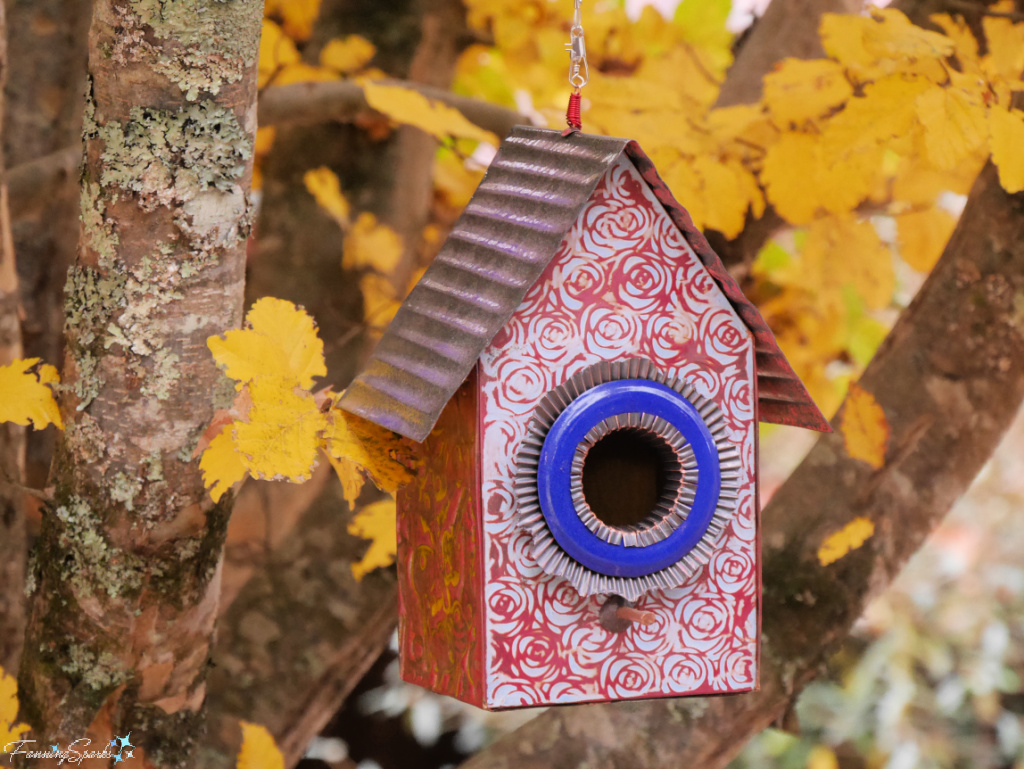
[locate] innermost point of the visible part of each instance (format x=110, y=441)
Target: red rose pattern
x=624, y=283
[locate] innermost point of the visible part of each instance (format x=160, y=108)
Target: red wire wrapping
x=572, y=113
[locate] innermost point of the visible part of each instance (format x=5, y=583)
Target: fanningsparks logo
x=120, y=749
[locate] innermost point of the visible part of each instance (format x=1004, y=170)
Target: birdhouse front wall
x=624, y=284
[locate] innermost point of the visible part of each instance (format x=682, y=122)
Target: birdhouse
x=587, y=380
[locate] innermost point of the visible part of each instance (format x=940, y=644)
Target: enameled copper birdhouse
x=588, y=380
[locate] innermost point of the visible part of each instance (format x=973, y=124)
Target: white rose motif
x=707, y=623
x=510, y=606
x=615, y=224
x=685, y=673
x=520, y=555
x=669, y=338
x=643, y=283
x=630, y=676
x=565, y=692
x=537, y=655
x=739, y=399
x=732, y=571
x=556, y=340
x=611, y=334
x=513, y=694
x=561, y=605
x=722, y=335
x=499, y=507
x=739, y=669
x=587, y=645
x=707, y=382
x=742, y=525
x=520, y=383
x=580, y=281
x=653, y=639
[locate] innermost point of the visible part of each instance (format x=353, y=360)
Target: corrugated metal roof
x=533, y=192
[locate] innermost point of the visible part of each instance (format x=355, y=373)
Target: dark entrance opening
x=626, y=474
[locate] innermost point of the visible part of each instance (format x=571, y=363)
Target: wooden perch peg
x=617, y=614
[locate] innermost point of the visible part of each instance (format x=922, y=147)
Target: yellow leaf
x=351, y=477
x=297, y=16
x=282, y=434
x=221, y=464
x=802, y=174
x=323, y=184
x=954, y=124
x=404, y=105
x=276, y=52
x=379, y=300
x=822, y=757
x=347, y=55
x=1007, y=130
x=386, y=457
x=923, y=235
x=799, y=90
x=843, y=253
x=25, y=397
x=864, y=427
x=883, y=43
x=1005, y=41
x=370, y=244
x=10, y=730
x=280, y=339
x=728, y=190
x=850, y=537
x=375, y=522
x=259, y=751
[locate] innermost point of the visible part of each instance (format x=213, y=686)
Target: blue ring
x=554, y=475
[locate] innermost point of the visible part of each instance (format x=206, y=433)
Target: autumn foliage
x=863, y=155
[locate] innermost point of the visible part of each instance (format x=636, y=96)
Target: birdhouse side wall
x=624, y=283
x=440, y=625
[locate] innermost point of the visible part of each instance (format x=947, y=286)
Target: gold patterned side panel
x=439, y=559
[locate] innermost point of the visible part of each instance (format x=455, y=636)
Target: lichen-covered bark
x=125, y=576
x=12, y=437
x=950, y=378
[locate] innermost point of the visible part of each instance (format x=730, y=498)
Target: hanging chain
x=579, y=72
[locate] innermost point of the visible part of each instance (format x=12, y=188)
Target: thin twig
x=10, y=487
x=965, y=6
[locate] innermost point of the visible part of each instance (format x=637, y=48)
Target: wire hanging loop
x=579, y=72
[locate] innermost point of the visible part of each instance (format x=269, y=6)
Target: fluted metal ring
x=529, y=516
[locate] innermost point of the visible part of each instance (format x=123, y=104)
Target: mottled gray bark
x=126, y=569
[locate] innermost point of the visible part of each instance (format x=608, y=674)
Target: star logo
x=56, y=748
x=113, y=743
x=124, y=742
x=128, y=753
x=118, y=758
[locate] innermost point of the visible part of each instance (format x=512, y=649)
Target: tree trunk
x=12, y=437
x=950, y=378
x=126, y=573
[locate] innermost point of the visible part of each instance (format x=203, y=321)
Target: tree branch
x=298, y=637
x=280, y=105
x=950, y=378
x=342, y=100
